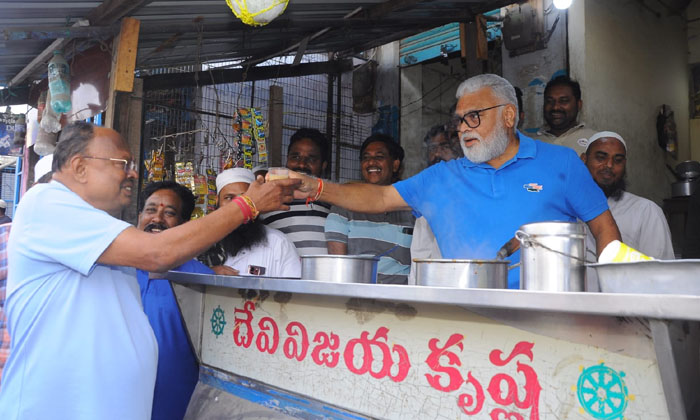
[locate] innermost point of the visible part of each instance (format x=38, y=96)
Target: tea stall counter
x=302, y=349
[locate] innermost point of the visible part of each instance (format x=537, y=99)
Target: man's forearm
x=604, y=230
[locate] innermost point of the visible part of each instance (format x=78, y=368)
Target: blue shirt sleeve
x=413, y=188
x=585, y=197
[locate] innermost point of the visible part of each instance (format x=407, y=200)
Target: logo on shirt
x=533, y=187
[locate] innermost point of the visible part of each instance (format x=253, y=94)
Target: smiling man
x=641, y=222
x=562, y=104
x=475, y=205
x=356, y=233
x=165, y=205
x=303, y=222
x=82, y=347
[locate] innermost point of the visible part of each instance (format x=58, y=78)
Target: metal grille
x=195, y=124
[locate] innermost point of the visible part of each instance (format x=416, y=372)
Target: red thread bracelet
x=245, y=209
x=319, y=191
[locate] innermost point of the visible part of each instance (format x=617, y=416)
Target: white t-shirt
x=279, y=257
x=82, y=347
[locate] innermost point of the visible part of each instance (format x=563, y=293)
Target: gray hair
x=500, y=87
x=74, y=140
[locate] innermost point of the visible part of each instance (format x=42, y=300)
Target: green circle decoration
x=218, y=321
x=602, y=392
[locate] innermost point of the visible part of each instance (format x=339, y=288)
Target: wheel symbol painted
x=218, y=321
x=602, y=392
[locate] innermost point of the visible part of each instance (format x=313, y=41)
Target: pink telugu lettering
x=449, y=379
x=394, y=362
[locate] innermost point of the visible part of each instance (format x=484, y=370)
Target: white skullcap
x=229, y=176
x=3, y=204
x=602, y=134
x=43, y=167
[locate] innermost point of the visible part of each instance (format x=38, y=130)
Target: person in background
x=358, y=233
x=562, y=103
x=3, y=217
x=475, y=205
x=303, y=223
x=641, y=222
x=441, y=148
x=253, y=249
x=521, y=112
x=163, y=206
x=82, y=347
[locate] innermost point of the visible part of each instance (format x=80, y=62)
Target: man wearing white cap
x=3, y=217
x=252, y=249
x=641, y=222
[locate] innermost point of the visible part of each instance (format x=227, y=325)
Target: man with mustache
x=562, y=103
x=303, y=223
x=443, y=145
x=253, y=249
x=165, y=205
x=82, y=347
x=641, y=222
x=475, y=205
x=357, y=233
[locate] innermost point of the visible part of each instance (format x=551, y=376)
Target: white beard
x=487, y=148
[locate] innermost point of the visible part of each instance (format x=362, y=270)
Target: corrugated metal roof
x=184, y=32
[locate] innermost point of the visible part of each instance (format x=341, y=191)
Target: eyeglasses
x=129, y=165
x=472, y=119
x=308, y=160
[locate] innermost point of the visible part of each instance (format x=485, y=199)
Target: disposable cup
x=277, y=173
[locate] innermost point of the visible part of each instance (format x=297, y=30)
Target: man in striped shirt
x=303, y=224
x=354, y=233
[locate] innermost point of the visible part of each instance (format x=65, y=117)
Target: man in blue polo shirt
x=474, y=205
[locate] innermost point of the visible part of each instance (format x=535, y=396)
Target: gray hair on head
x=74, y=140
x=500, y=87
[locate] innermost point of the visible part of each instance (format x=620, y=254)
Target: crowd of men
x=87, y=311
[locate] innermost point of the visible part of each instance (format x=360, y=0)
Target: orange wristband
x=319, y=191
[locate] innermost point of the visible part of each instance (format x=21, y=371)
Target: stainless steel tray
x=675, y=277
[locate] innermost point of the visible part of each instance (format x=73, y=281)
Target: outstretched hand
x=272, y=195
x=308, y=186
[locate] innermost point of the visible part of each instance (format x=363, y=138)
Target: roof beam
x=110, y=11
x=219, y=76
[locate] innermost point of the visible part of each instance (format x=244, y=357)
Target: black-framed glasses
x=129, y=165
x=473, y=118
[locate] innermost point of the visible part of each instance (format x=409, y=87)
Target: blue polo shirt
x=473, y=209
x=178, y=369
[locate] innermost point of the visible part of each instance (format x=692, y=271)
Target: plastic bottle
x=20, y=131
x=59, y=83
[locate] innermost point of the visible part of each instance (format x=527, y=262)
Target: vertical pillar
x=276, y=118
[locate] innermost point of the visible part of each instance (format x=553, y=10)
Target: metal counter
x=310, y=349
x=616, y=304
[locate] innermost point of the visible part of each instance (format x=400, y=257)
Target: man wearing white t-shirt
x=82, y=347
x=253, y=249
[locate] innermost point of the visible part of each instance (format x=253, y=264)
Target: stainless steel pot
x=684, y=188
x=340, y=268
x=552, y=256
x=489, y=274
